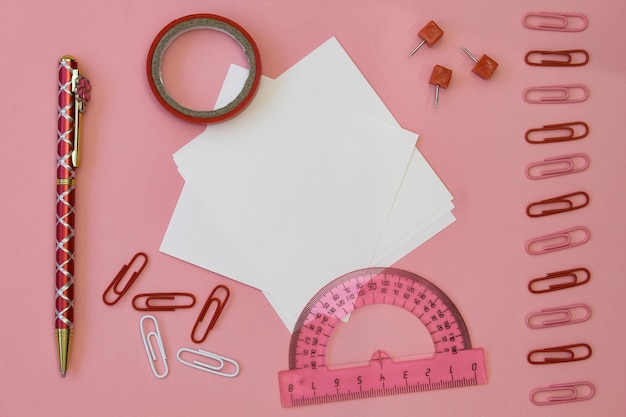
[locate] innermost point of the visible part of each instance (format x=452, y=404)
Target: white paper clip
x=147, y=338
x=217, y=368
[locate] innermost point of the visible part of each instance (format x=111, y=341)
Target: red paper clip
x=569, y=58
x=564, y=279
x=147, y=299
x=218, y=310
x=569, y=392
x=564, y=239
x=560, y=354
x=560, y=204
x=568, y=128
x=561, y=22
x=120, y=276
x=561, y=316
x=561, y=165
x=556, y=94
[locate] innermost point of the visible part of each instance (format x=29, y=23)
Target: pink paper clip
x=556, y=94
x=564, y=239
x=569, y=392
x=560, y=165
x=558, y=316
x=561, y=22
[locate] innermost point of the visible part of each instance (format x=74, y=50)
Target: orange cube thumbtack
x=429, y=34
x=440, y=77
x=485, y=66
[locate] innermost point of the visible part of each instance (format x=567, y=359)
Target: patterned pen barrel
x=72, y=96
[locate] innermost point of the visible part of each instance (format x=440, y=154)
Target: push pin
x=440, y=77
x=429, y=34
x=485, y=67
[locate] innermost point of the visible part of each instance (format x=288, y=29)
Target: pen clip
x=81, y=91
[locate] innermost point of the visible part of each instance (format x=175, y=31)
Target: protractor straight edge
x=310, y=380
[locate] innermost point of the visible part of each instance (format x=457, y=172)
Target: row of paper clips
x=171, y=301
x=561, y=93
x=564, y=239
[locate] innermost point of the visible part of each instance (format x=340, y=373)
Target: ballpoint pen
x=72, y=98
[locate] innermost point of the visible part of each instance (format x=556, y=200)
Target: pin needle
x=440, y=77
x=485, y=66
x=429, y=34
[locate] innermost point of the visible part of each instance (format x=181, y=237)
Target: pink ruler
x=310, y=381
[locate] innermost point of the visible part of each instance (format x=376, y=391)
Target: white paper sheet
x=308, y=184
x=296, y=182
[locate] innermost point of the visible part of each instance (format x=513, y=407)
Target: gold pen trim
x=64, y=340
x=66, y=181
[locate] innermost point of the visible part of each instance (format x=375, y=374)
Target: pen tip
x=63, y=374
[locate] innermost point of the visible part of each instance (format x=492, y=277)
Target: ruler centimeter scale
x=310, y=380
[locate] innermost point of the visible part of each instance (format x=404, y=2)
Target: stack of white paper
x=313, y=180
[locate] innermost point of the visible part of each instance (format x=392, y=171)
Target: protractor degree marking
x=432, y=306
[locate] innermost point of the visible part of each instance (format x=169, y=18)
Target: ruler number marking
x=410, y=292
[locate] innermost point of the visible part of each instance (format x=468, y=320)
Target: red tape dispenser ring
x=203, y=21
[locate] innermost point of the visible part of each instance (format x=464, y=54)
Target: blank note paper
x=313, y=180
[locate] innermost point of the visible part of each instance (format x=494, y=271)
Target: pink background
x=129, y=185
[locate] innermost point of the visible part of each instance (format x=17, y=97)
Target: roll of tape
x=183, y=25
